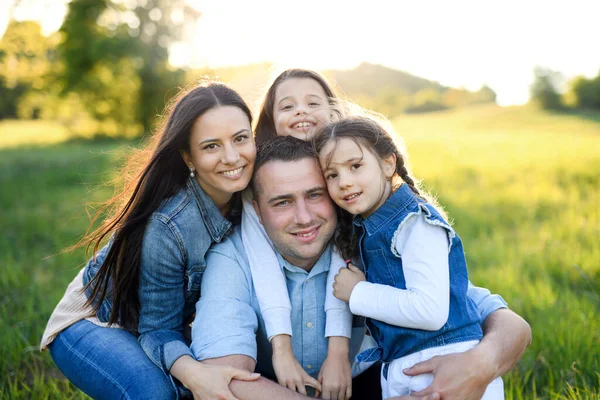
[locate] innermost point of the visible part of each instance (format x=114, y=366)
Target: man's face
x=293, y=205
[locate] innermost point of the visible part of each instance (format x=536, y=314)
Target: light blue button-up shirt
x=228, y=319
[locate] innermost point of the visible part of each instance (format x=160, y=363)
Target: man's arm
x=260, y=389
x=466, y=375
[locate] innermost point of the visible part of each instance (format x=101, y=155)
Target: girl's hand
x=336, y=375
x=345, y=281
x=287, y=369
x=209, y=382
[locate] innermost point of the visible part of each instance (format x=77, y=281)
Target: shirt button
x=309, y=366
x=308, y=280
x=309, y=324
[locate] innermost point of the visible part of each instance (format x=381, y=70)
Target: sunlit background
x=459, y=43
x=498, y=103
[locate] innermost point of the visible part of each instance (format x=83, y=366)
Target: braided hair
x=369, y=134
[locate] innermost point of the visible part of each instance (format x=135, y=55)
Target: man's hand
x=209, y=382
x=287, y=369
x=345, y=281
x=336, y=375
x=456, y=376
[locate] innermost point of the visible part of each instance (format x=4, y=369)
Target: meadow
x=522, y=188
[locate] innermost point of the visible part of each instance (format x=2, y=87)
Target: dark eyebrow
x=278, y=198
x=288, y=196
x=348, y=161
x=216, y=140
x=315, y=189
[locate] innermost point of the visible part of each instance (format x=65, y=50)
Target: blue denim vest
x=384, y=266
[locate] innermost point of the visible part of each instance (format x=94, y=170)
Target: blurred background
x=498, y=103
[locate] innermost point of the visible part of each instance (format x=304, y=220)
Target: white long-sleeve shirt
x=269, y=281
x=425, y=302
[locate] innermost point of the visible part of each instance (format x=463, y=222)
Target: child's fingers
x=353, y=268
x=349, y=391
x=312, y=382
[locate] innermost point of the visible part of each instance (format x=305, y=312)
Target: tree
x=544, y=89
x=107, y=43
x=586, y=92
x=26, y=59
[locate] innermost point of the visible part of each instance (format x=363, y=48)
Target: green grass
x=522, y=188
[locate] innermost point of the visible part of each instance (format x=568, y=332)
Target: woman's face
x=222, y=152
x=301, y=107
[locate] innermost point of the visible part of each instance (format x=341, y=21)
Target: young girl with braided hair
x=414, y=294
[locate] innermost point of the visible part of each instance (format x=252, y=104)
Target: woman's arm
x=162, y=295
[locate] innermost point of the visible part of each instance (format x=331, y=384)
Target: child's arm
x=425, y=303
x=338, y=320
x=267, y=277
x=336, y=375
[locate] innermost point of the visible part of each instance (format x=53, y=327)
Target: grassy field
x=522, y=188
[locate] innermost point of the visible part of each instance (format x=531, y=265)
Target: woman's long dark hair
x=369, y=134
x=265, y=125
x=161, y=174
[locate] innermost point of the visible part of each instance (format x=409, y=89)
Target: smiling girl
x=415, y=291
x=298, y=103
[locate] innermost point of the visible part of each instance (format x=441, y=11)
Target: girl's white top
x=425, y=303
x=270, y=286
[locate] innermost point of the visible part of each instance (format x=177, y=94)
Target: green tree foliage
x=586, y=92
x=26, y=61
x=116, y=56
x=545, y=89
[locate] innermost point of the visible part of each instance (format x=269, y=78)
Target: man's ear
x=257, y=210
x=389, y=166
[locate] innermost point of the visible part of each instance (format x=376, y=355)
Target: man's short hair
x=281, y=148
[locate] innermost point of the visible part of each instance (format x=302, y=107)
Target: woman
x=123, y=335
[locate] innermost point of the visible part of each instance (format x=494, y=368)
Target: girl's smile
x=357, y=180
x=301, y=107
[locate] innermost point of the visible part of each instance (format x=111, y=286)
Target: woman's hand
x=336, y=375
x=208, y=382
x=287, y=369
x=345, y=281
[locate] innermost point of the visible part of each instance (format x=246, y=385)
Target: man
x=298, y=216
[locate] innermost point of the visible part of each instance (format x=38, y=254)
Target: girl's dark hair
x=265, y=125
x=159, y=173
x=369, y=134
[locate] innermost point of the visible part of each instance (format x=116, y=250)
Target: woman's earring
x=192, y=172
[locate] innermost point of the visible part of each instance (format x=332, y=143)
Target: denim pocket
x=378, y=269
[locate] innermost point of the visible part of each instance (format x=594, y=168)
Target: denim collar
x=393, y=206
x=322, y=264
x=216, y=224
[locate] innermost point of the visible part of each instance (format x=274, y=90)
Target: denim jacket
x=384, y=266
x=176, y=239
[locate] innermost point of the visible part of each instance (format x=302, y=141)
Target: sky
x=459, y=43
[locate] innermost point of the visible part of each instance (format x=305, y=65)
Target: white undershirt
x=425, y=302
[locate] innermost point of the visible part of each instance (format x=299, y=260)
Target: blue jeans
x=108, y=363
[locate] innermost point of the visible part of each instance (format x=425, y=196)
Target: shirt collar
x=216, y=224
x=393, y=206
x=322, y=264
